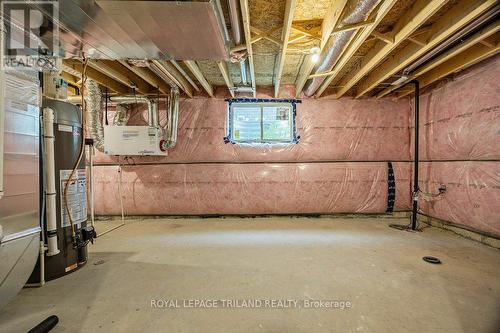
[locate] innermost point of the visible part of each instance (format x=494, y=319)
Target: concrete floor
x=378, y=269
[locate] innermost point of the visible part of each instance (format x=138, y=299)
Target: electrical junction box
x=134, y=140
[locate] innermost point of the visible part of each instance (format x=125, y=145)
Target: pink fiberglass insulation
x=460, y=134
x=340, y=164
x=270, y=188
x=329, y=129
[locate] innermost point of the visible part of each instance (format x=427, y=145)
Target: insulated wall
x=460, y=147
x=340, y=164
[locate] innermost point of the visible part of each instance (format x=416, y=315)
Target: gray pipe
x=173, y=119
x=235, y=21
x=358, y=11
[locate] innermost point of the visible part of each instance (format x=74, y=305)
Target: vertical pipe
x=243, y=69
x=415, y=157
x=91, y=176
x=50, y=193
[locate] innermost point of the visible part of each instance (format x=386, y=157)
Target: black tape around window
x=391, y=188
x=294, y=102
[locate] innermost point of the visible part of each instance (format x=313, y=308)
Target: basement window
x=262, y=121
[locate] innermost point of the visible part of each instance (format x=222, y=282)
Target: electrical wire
x=82, y=150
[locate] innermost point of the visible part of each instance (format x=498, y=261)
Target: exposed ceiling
x=393, y=35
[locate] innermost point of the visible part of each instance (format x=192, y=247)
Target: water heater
x=62, y=137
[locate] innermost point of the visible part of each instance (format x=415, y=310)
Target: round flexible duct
x=357, y=11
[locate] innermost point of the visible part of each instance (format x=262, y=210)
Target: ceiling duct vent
x=111, y=29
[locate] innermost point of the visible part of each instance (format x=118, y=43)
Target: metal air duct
x=357, y=11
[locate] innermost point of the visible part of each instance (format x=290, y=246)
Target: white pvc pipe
x=50, y=174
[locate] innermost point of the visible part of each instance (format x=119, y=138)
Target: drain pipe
x=235, y=21
x=50, y=193
x=416, y=188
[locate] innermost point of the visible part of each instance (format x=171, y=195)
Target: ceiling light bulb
x=314, y=51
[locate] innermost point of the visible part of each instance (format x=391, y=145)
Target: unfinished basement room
x=250, y=166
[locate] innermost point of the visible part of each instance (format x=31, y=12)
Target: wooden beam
x=148, y=76
x=186, y=75
x=74, y=66
x=383, y=37
x=227, y=78
x=297, y=38
x=265, y=35
x=193, y=67
x=462, y=13
x=384, y=8
x=462, y=60
x=306, y=32
x=416, y=40
x=418, y=14
x=120, y=73
x=477, y=37
x=329, y=23
x=174, y=75
x=354, y=26
x=245, y=15
x=287, y=24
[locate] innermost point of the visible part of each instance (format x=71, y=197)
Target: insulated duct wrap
x=357, y=11
x=172, y=118
x=94, y=113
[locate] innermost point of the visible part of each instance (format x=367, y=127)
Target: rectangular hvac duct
x=112, y=29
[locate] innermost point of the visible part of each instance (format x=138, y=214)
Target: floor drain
x=99, y=262
x=431, y=260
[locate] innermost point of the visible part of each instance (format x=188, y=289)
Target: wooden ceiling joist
x=419, y=13
x=265, y=35
x=120, y=73
x=148, y=76
x=75, y=67
x=384, y=8
x=478, y=37
x=186, y=75
x=354, y=26
x=227, y=78
x=464, y=12
x=329, y=23
x=245, y=15
x=287, y=25
x=193, y=67
x=174, y=75
x=460, y=61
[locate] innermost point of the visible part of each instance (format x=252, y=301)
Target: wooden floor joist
x=287, y=25
x=464, y=12
x=245, y=16
x=419, y=13
x=120, y=73
x=329, y=23
x=460, y=61
x=383, y=10
x=148, y=76
x=227, y=78
x=478, y=37
x=76, y=67
x=193, y=67
x=174, y=75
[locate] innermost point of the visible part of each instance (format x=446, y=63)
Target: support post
x=416, y=188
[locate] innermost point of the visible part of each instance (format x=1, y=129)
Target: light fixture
x=314, y=51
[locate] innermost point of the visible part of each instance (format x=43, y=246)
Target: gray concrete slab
x=377, y=269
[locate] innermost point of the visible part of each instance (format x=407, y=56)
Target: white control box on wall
x=134, y=140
